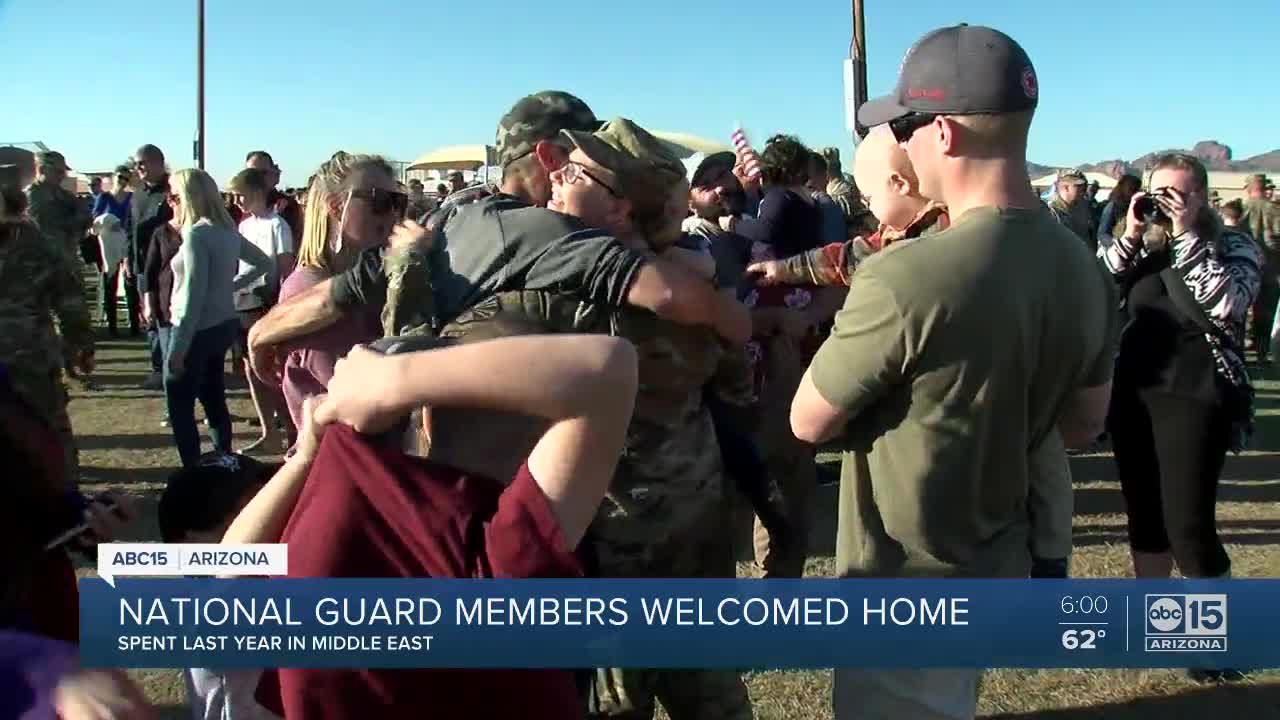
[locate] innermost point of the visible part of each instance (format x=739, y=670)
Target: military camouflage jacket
x=61, y=217
x=834, y=264
x=671, y=466
x=1263, y=221
x=37, y=284
x=1077, y=218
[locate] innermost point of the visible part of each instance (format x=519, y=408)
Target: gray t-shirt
x=502, y=243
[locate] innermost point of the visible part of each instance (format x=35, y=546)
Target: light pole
x=858, y=61
x=199, y=143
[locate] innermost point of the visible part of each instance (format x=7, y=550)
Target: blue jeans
x=159, y=349
x=200, y=379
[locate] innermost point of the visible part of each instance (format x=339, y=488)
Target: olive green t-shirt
x=953, y=357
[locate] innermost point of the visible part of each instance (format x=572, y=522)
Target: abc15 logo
x=1204, y=614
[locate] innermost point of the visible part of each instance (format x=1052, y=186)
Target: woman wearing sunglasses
x=352, y=204
x=202, y=309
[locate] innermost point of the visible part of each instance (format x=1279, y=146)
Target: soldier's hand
x=767, y=272
x=351, y=401
x=407, y=233
x=266, y=361
x=85, y=362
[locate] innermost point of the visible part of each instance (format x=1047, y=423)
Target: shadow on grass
x=1232, y=532
x=1239, y=701
x=124, y=477
x=125, y=442
x=1253, y=467
x=132, y=381
x=1108, y=500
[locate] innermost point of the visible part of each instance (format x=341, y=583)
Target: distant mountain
x=1215, y=155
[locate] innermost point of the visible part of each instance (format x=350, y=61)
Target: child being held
x=197, y=505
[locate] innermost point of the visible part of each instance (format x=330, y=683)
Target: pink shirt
x=310, y=362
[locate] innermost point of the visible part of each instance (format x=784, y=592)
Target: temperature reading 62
x=1082, y=639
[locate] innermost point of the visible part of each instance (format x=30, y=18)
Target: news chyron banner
x=218, y=622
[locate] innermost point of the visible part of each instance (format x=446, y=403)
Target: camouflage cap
x=538, y=117
x=1072, y=177
x=51, y=158
x=645, y=169
x=1260, y=178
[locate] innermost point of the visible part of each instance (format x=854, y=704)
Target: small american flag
x=748, y=154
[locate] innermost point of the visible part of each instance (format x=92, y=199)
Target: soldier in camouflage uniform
x=1071, y=208
x=38, y=282
x=62, y=220
x=666, y=514
x=1262, y=219
x=61, y=217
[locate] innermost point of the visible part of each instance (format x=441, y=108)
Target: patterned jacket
x=834, y=264
x=1223, y=275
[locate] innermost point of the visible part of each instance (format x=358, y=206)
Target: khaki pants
x=790, y=462
x=924, y=694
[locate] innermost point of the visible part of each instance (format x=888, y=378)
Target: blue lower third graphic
x=423, y=623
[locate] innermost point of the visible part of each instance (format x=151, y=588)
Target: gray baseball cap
x=959, y=70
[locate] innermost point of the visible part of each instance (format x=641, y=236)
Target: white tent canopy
x=474, y=157
x=456, y=157
x=1105, y=182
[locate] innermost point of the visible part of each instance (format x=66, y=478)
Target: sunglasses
x=907, y=125
x=383, y=201
x=572, y=172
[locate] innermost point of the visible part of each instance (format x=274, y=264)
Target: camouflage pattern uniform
x=535, y=118
x=63, y=221
x=666, y=513
x=1263, y=222
x=1077, y=217
x=61, y=217
x=39, y=282
x=841, y=188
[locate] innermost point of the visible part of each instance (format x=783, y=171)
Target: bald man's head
x=887, y=179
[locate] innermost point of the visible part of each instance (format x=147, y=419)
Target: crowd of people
x=578, y=372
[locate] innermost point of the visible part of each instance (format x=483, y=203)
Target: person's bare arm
x=678, y=294
x=584, y=384
x=1085, y=415
x=813, y=418
x=309, y=311
x=264, y=518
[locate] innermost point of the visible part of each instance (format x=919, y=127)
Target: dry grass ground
x=124, y=448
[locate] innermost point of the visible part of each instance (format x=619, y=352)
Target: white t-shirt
x=272, y=236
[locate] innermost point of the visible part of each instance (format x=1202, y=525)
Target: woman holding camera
x=1182, y=397
x=1112, y=221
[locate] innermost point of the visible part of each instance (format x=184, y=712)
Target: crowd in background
x=613, y=349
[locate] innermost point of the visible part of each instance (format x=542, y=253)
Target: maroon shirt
x=372, y=511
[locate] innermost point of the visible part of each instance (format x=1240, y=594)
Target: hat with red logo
x=960, y=70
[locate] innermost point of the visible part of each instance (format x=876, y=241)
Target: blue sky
x=303, y=79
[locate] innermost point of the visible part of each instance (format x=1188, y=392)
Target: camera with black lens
x=1148, y=210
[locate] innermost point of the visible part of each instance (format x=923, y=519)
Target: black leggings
x=1169, y=451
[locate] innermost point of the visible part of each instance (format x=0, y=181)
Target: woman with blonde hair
x=352, y=204
x=202, y=309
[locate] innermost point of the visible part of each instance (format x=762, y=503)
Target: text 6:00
x=1084, y=604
